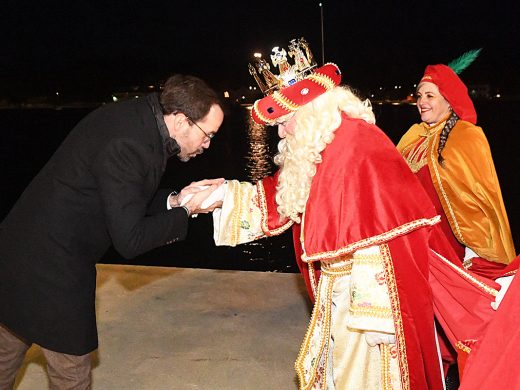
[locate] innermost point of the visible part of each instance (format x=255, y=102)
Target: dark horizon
x=95, y=49
x=37, y=134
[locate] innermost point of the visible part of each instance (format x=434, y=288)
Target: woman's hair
x=450, y=123
x=299, y=154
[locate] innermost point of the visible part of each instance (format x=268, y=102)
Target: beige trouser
x=66, y=372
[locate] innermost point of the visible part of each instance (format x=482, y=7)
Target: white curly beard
x=300, y=153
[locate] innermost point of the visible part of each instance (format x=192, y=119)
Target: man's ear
x=179, y=121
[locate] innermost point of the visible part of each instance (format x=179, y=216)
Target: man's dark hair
x=189, y=95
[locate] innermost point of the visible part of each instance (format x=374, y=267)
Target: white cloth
x=504, y=282
x=215, y=196
x=375, y=338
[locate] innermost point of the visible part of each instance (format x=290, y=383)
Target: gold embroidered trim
x=513, y=272
x=367, y=260
x=463, y=347
x=386, y=378
x=312, y=278
x=416, y=154
x=371, y=241
x=324, y=341
x=340, y=267
x=374, y=311
x=398, y=321
x=237, y=212
x=323, y=80
x=484, y=287
x=263, y=210
x=341, y=271
x=284, y=102
x=434, y=165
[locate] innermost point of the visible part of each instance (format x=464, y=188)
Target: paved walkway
x=181, y=328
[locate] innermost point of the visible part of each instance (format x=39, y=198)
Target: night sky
x=84, y=48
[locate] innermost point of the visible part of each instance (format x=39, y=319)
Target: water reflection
x=258, y=157
x=274, y=253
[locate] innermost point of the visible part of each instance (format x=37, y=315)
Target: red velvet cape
x=493, y=365
x=364, y=194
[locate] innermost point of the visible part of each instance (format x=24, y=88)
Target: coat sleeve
x=124, y=178
x=159, y=202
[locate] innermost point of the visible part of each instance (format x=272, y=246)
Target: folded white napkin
x=216, y=195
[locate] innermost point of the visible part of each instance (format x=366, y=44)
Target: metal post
x=322, y=36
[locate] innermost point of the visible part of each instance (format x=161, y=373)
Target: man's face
x=286, y=125
x=194, y=137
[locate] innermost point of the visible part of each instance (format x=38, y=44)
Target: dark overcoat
x=93, y=192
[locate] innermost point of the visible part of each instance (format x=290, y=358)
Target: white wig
x=299, y=154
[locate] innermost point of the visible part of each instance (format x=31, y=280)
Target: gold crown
x=304, y=64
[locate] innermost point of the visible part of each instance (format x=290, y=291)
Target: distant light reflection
x=258, y=157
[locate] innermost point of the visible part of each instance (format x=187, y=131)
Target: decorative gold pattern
x=416, y=155
x=463, y=347
x=312, y=364
x=320, y=319
x=386, y=378
x=434, y=164
x=398, y=321
x=237, y=212
x=263, y=208
x=342, y=266
x=312, y=278
x=284, y=101
x=513, y=272
x=368, y=259
x=371, y=241
x=374, y=311
x=482, y=286
x=323, y=80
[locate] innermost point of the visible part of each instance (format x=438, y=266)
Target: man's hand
x=200, y=196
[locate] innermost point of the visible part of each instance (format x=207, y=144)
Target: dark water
x=29, y=137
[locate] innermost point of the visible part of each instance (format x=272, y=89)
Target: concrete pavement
x=181, y=328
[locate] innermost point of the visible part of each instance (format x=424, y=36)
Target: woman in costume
x=351, y=202
x=451, y=157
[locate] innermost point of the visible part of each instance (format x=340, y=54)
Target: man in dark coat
x=97, y=190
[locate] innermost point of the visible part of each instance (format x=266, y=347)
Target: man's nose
x=281, y=131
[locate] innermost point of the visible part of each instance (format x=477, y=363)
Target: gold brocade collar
x=416, y=155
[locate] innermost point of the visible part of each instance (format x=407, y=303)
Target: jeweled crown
x=289, y=74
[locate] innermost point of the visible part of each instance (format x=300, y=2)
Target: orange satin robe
x=467, y=186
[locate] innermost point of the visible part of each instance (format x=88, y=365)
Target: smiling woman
x=431, y=104
x=452, y=159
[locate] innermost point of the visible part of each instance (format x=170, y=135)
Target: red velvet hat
x=453, y=90
x=291, y=98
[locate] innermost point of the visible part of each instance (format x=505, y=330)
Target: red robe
x=492, y=365
x=364, y=194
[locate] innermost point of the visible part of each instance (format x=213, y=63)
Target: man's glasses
x=209, y=136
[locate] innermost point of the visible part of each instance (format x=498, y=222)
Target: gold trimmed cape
x=468, y=189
